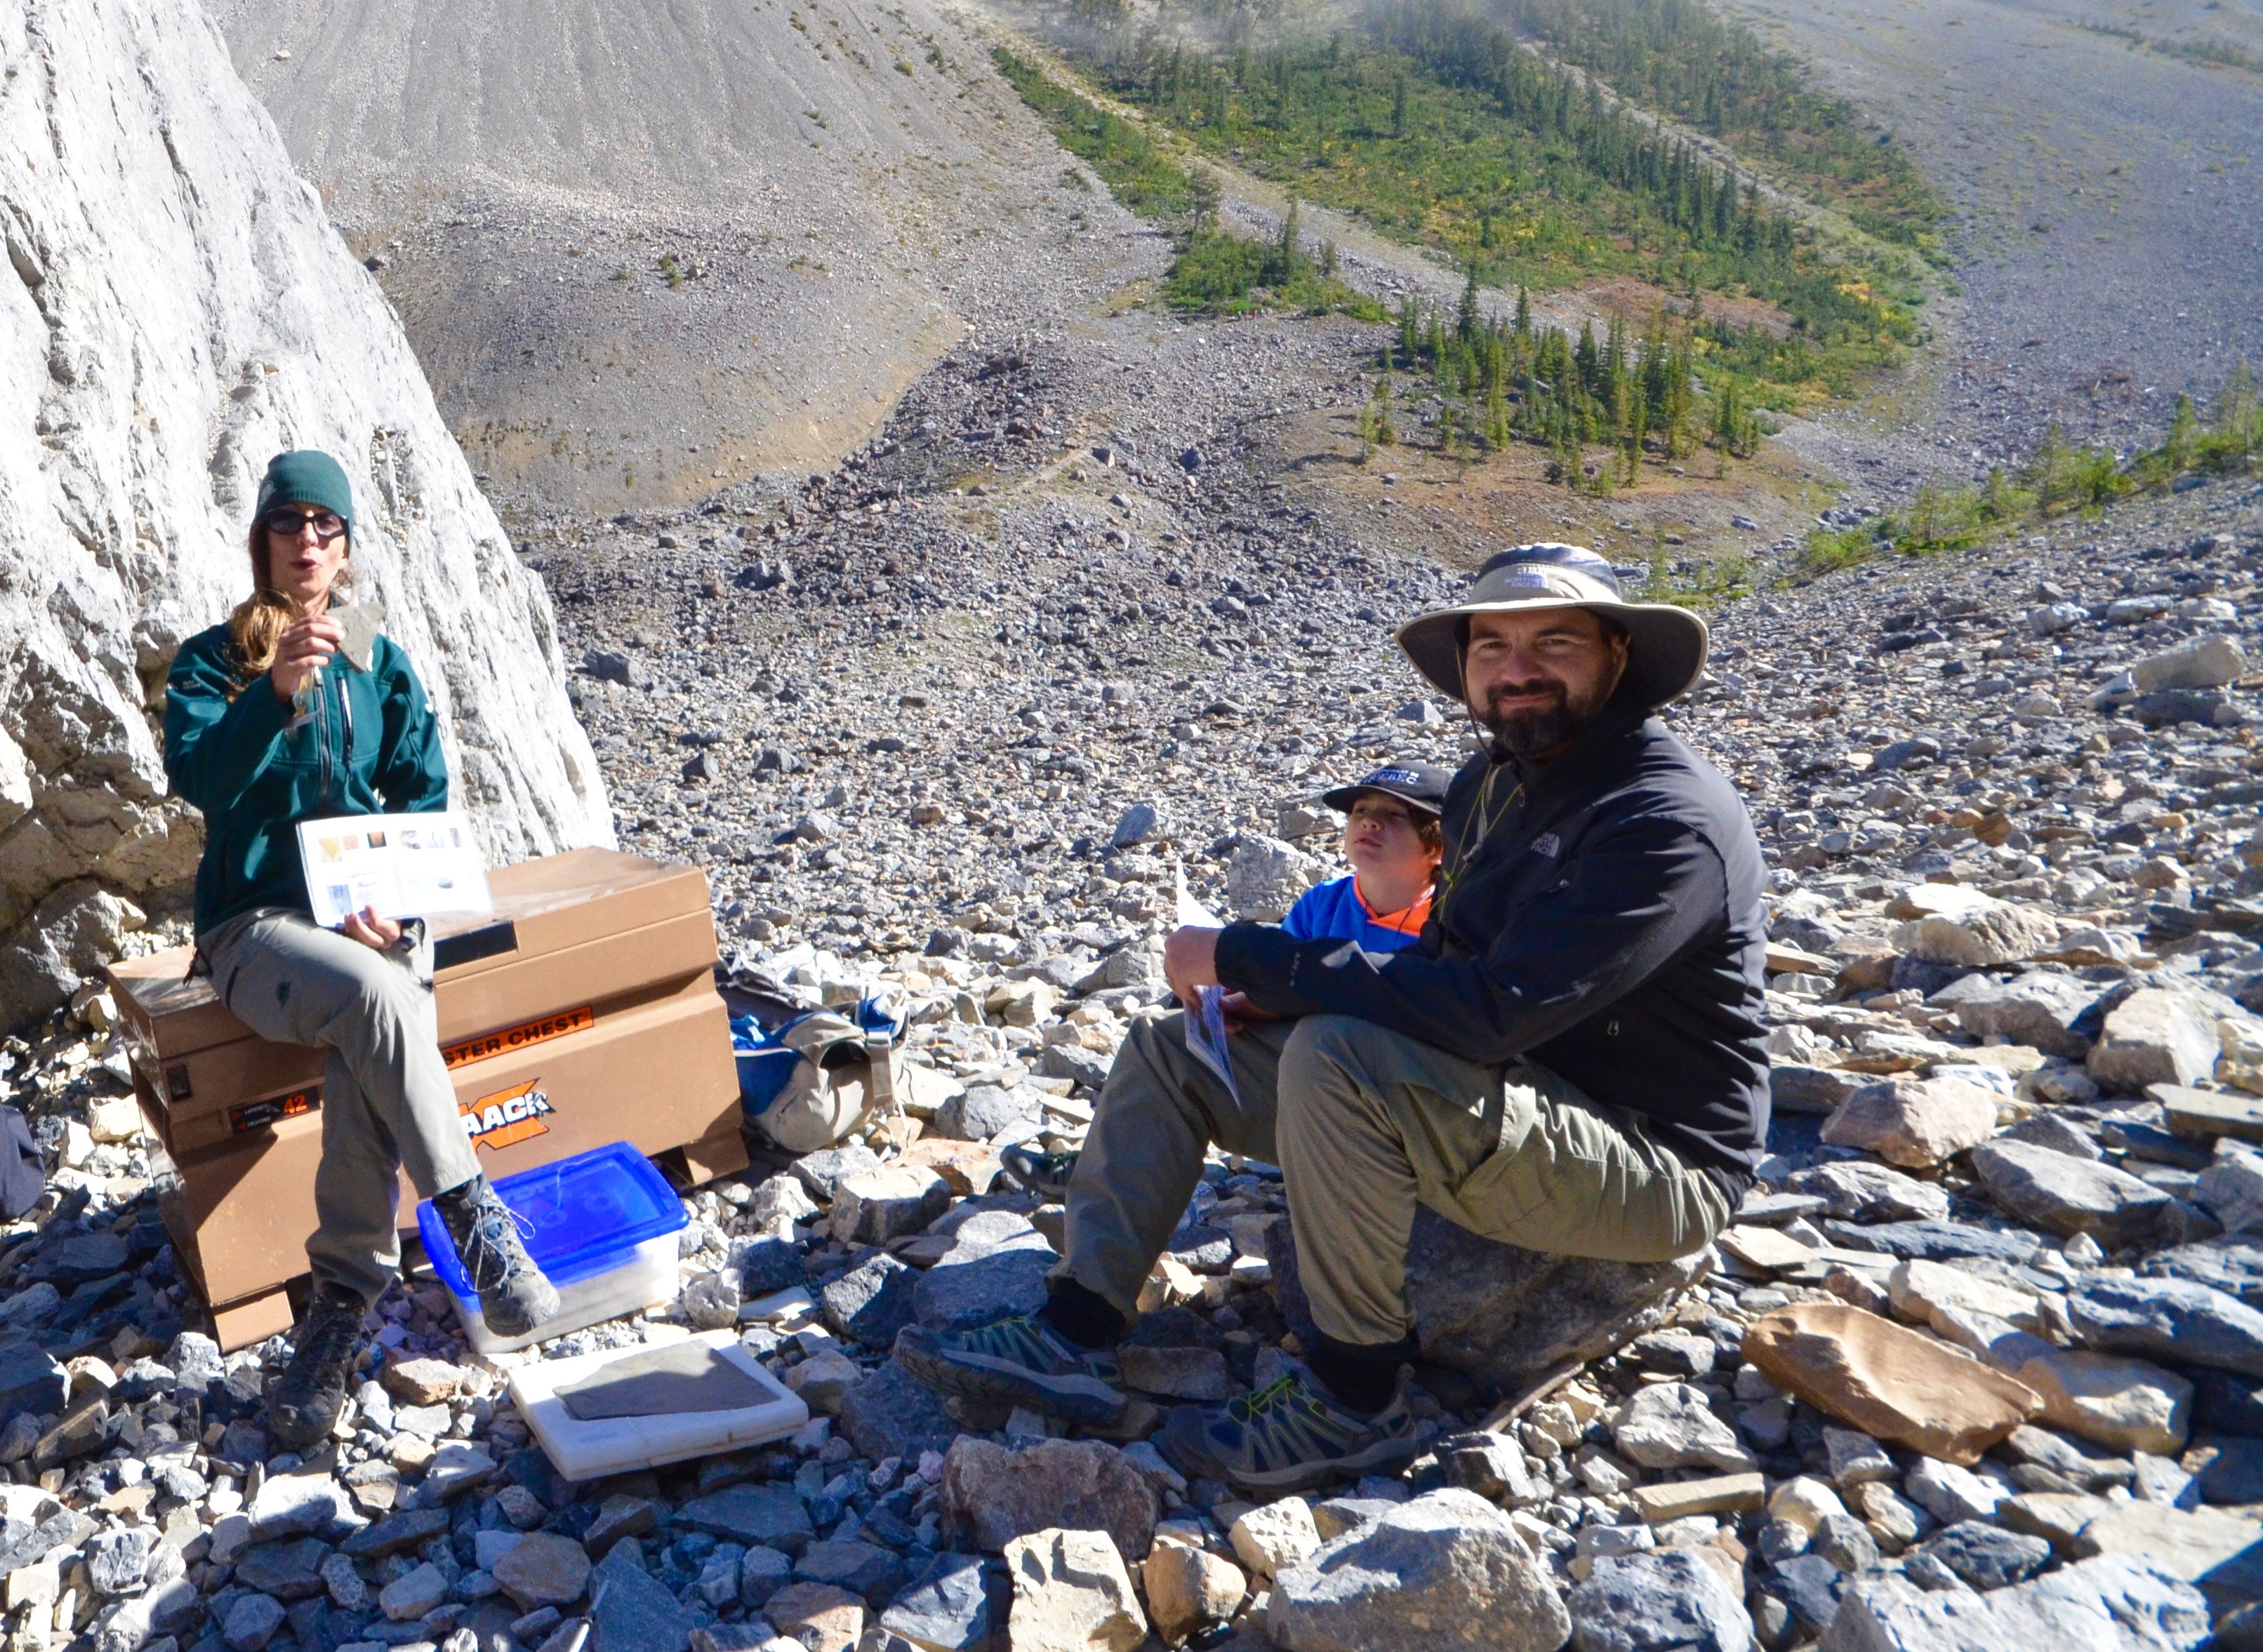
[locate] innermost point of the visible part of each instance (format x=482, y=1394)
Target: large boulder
x=178, y=309
x=1266, y=876
x=1501, y=1314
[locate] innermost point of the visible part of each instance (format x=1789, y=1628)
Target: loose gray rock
x=1501, y=1314
x=766, y=1514
x=710, y=1302
x=871, y=1302
x=2069, y=1195
x=1670, y=1425
x=251, y=1622
x=1987, y=1556
x=958, y=1602
x=821, y=1171
x=1266, y=876
x=1647, y=1602
x=2159, y=1035
x=955, y=1296
x=995, y=1494
x=2040, y=1009
x=981, y=1111
x=2174, y=1320
x=2123, y=1604
x=1446, y=1570
x=1136, y=825
x=115, y=1560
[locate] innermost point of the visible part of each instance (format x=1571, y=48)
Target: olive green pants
x=1366, y=1123
x=386, y=1098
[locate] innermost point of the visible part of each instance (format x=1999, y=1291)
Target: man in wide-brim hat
x=1569, y=1060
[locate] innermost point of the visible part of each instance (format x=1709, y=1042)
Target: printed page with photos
x=402, y=865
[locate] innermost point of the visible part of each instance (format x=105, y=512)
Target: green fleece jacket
x=371, y=746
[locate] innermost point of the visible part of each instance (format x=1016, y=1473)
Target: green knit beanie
x=307, y=477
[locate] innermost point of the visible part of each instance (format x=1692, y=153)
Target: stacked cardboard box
x=583, y=1011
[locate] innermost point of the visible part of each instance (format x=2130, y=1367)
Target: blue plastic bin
x=600, y=1225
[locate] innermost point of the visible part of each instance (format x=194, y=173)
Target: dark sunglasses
x=328, y=524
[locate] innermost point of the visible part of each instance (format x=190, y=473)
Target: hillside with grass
x=1767, y=249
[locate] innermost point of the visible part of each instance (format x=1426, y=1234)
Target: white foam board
x=590, y=1450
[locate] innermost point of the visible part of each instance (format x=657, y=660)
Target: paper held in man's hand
x=1192, y=913
x=402, y=865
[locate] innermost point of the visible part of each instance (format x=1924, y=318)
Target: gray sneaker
x=514, y=1296
x=1287, y=1437
x=1018, y=1361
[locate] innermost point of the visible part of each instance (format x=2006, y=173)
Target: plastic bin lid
x=578, y=1217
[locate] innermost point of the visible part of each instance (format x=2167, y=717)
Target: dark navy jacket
x=1609, y=926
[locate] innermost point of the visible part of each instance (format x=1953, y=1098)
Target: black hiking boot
x=514, y=1296
x=1045, y=1175
x=304, y=1404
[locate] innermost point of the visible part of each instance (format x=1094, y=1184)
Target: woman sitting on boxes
x=263, y=731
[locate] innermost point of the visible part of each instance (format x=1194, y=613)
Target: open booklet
x=402, y=865
x=1206, y=1018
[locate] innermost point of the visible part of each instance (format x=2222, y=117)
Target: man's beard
x=1535, y=731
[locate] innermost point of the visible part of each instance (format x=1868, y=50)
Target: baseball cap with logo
x=1666, y=644
x=1417, y=785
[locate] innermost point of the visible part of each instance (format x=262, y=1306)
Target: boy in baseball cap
x=1392, y=838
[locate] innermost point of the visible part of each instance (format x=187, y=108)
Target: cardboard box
x=582, y=935
x=584, y=1012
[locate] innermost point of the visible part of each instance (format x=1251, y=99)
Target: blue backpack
x=820, y=1076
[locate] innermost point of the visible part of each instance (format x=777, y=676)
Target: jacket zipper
x=345, y=734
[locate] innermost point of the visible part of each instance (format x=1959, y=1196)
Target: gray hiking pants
x=1366, y=1123
x=386, y=1099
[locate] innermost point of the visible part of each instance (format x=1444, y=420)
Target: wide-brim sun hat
x=1666, y=644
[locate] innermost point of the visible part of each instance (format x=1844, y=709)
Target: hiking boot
x=1017, y=1361
x=1286, y=1437
x=1043, y=1175
x=304, y=1402
x=514, y=1297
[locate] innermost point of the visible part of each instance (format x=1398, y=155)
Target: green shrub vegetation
x=1214, y=271
x=1682, y=58
x=1434, y=124
x=2059, y=480
x=1136, y=170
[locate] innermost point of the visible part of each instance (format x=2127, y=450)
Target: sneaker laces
x=1271, y=1397
x=493, y=1245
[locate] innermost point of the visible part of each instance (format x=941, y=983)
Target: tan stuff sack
x=845, y=1080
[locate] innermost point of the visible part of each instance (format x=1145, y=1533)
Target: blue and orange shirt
x=1336, y=911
